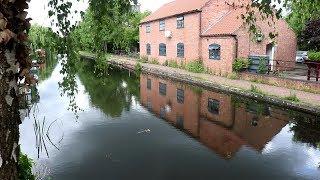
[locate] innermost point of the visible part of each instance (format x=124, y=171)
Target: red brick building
x=211, y=30
x=211, y=117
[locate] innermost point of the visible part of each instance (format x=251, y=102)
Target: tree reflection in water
x=112, y=93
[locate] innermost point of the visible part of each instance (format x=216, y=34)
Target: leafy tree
x=310, y=36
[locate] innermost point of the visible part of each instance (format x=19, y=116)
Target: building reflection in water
x=217, y=120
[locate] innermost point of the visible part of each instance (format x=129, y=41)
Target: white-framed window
x=214, y=51
x=180, y=22
x=162, y=25
x=148, y=28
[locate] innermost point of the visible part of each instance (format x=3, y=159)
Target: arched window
x=148, y=49
x=162, y=49
x=214, y=51
x=180, y=50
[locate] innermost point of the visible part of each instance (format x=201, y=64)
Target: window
x=162, y=49
x=213, y=106
x=149, y=84
x=180, y=50
x=148, y=49
x=180, y=22
x=180, y=96
x=214, y=51
x=162, y=89
x=148, y=28
x=162, y=25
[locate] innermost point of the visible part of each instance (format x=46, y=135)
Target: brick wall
x=286, y=43
x=228, y=48
x=189, y=35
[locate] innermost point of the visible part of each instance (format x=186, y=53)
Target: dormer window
x=162, y=25
x=148, y=28
x=180, y=22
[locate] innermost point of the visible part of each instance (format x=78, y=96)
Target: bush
x=255, y=89
x=263, y=66
x=293, y=97
x=314, y=56
x=25, y=167
x=195, y=66
x=240, y=64
x=143, y=59
x=154, y=61
x=138, y=68
x=173, y=64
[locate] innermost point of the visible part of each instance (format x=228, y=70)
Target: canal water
x=147, y=127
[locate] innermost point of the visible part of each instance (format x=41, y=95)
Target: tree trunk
x=14, y=65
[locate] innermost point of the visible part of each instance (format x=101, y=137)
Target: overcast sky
x=38, y=9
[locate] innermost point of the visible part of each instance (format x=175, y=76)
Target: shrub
x=165, y=63
x=255, y=89
x=233, y=76
x=293, y=97
x=173, y=64
x=25, y=167
x=138, y=68
x=154, y=61
x=143, y=59
x=263, y=66
x=195, y=66
x=314, y=56
x=240, y=64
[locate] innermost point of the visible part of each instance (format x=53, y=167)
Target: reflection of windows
x=213, y=106
x=180, y=121
x=148, y=28
x=162, y=49
x=149, y=84
x=180, y=22
x=180, y=50
x=214, y=51
x=162, y=89
x=148, y=49
x=162, y=25
x=162, y=112
x=259, y=109
x=180, y=96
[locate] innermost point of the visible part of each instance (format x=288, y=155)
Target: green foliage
x=143, y=59
x=195, y=66
x=263, y=66
x=25, y=168
x=43, y=38
x=302, y=11
x=138, y=68
x=293, y=97
x=240, y=64
x=173, y=64
x=233, y=76
x=314, y=56
x=255, y=89
x=154, y=61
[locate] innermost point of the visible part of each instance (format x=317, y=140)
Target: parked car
x=301, y=56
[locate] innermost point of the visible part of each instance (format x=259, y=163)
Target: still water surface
x=151, y=128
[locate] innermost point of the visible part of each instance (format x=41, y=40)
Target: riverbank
x=293, y=99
